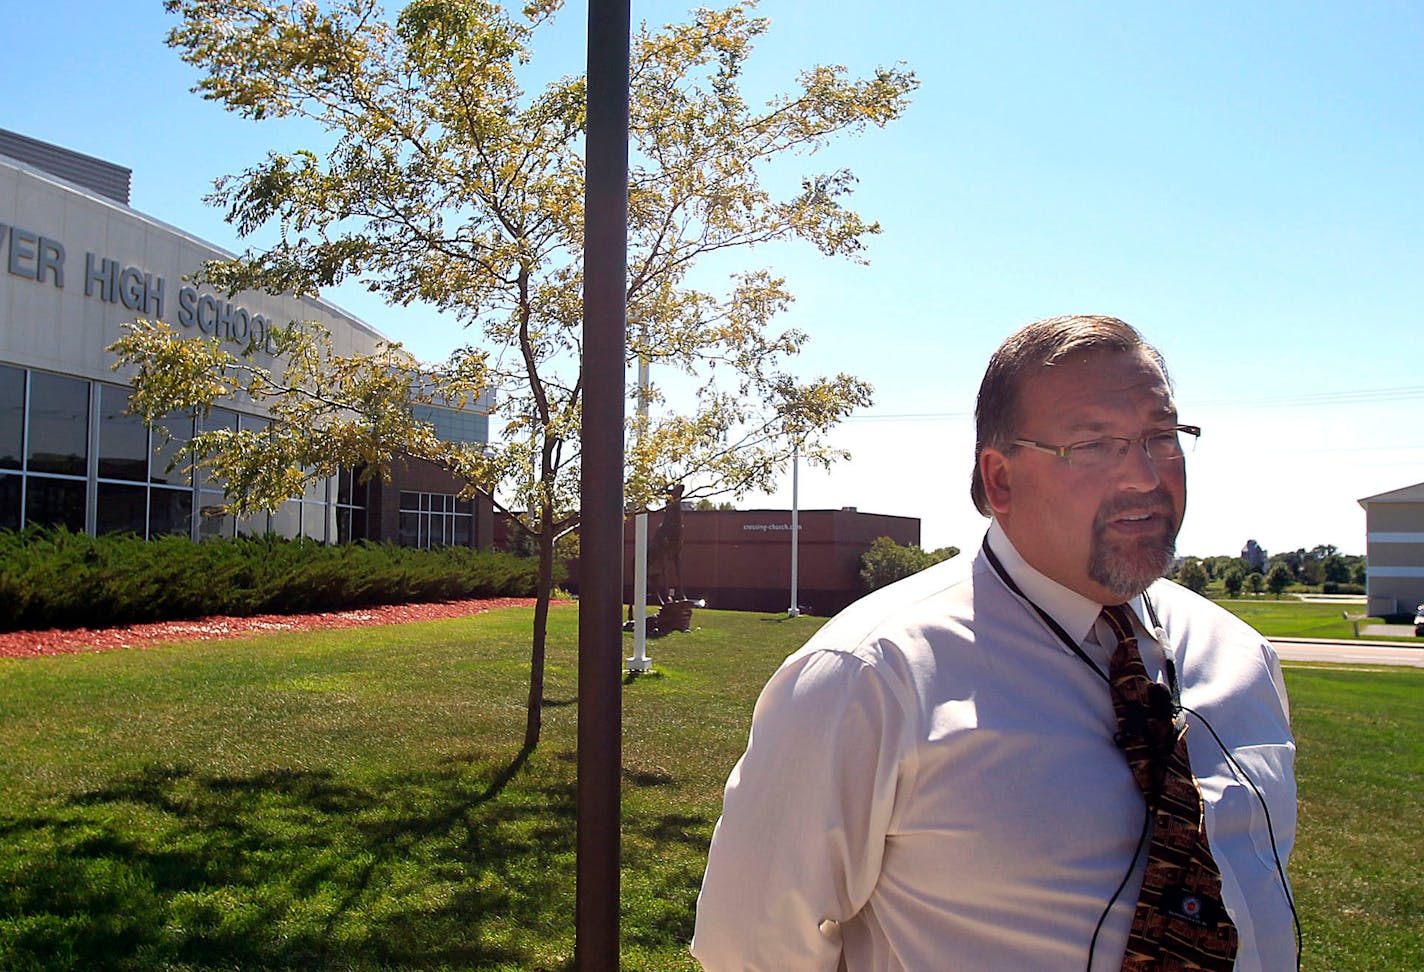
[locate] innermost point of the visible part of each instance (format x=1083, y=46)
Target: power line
x=1352, y=397
x=909, y=417
x=1362, y=396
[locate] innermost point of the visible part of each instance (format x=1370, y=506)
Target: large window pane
x=350, y=491
x=212, y=521
x=218, y=418
x=171, y=433
x=55, y=502
x=9, y=502
x=351, y=525
x=314, y=517
x=464, y=528
x=254, y=525
x=123, y=438
x=121, y=509
x=409, y=535
x=12, y=415
x=59, y=424
x=170, y=511
x=286, y=519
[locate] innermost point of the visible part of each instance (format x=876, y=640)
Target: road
x=1349, y=652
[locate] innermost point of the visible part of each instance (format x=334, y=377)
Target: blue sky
x=1242, y=182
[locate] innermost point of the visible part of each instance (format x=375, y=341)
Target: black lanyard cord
x=1047, y=618
x=1067, y=639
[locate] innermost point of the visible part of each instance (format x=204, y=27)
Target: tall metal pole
x=600, y=705
x=640, y=662
x=794, y=611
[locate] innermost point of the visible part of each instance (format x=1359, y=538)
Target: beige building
x=1394, y=538
x=76, y=263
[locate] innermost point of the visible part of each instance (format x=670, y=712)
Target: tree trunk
x=535, y=708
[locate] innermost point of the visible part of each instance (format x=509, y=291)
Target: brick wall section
x=741, y=559
x=420, y=475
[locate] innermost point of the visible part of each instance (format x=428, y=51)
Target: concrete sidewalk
x=1389, y=631
x=1368, y=653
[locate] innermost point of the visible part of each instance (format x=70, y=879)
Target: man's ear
x=994, y=469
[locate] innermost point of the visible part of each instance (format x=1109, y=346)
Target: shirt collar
x=1075, y=613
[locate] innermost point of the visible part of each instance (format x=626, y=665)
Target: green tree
x=1192, y=576
x=1217, y=567
x=1233, y=580
x=1293, y=560
x=1279, y=578
x=1255, y=582
x=887, y=561
x=1337, y=570
x=447, y=183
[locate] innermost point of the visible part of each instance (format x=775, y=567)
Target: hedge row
x=1331, y=587
x=56, y=579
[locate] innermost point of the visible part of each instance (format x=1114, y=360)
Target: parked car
x=1419, y=621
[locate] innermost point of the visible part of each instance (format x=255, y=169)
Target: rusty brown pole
x=600, y=688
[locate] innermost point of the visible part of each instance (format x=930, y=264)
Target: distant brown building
x=740, y=560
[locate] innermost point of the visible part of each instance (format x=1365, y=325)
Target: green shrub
x=886, y=561
x=51, y=578
x=1331, y=587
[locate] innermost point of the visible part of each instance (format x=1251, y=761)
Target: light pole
x=794, y=611
x=640, y=662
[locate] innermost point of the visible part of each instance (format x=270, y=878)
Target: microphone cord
x=1126, y=876
x=1245, y=777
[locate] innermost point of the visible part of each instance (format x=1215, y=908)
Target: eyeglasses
x=1161, y=445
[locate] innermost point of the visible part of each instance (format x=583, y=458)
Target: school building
x=76, y=263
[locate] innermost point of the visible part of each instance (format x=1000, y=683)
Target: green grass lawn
x=352, y=800
x=1289, y=618
x=1357, y=868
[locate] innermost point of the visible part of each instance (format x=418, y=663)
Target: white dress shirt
x=931, y=784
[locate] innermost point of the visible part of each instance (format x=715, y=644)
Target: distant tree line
x=1321, y=568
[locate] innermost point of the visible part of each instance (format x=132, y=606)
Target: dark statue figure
x=665, y=550
x=665, y=571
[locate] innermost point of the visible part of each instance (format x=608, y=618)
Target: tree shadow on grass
x=467, y=864
x=293, y=868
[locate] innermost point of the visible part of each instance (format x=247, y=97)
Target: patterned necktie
x=1180, y=922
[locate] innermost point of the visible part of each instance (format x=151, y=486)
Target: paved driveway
x=1350, y=652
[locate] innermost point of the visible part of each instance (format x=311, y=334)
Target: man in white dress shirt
x=932, y=782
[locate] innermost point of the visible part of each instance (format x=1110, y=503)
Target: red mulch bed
x=61, y=641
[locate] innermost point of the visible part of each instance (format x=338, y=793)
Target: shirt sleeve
x=799, y=845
